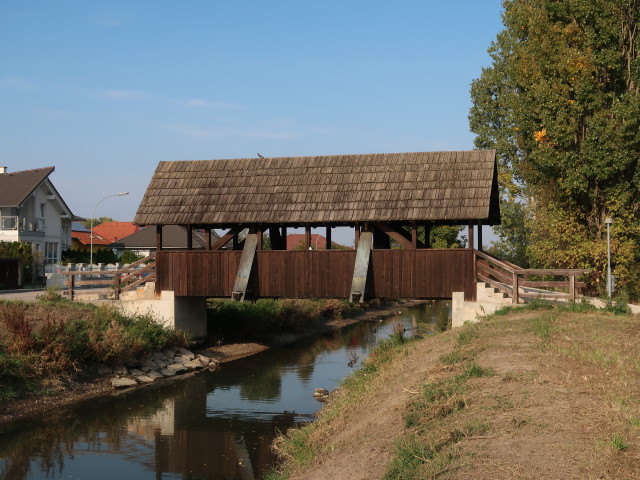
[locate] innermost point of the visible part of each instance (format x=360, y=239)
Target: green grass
x=410, y=454
x=542, y=326
x=618, y=443
x=468, y=333
x=456, y=356
x=617, y=306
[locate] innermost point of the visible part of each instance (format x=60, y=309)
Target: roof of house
x=295, y=240
x=16, y=187
x=113, y=231
x=447, y=187
x=85, y=238
x=78, y=227
x=173, y=236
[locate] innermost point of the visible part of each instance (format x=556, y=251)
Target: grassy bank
x=537, y=392
x=47, y=345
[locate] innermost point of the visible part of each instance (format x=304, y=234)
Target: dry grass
x=532, y=394
x=49, y=343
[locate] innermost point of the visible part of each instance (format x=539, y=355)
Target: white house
x=32, y=211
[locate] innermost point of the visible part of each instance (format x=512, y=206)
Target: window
x=50, y=252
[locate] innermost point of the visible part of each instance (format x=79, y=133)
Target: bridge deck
x=420, y=273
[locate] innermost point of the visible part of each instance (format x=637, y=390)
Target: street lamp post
x=608, y=221
x=91, y=230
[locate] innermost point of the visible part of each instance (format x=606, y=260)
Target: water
x=215, y=425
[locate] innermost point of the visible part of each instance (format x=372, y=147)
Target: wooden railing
x=127, y=278
x=511, y=279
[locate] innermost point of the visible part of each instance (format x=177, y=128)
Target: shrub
x=50, y=338
x=129, y=257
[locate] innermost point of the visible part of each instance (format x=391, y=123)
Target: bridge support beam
x=244, y=269
x=363, y=255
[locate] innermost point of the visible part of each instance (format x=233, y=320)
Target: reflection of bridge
x=219, y=447
x=392, y=201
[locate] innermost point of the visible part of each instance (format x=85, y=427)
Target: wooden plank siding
x=428, y=274
x=422, y=273
x=305, y=274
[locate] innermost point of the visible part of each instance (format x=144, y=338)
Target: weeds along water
x=45, y=345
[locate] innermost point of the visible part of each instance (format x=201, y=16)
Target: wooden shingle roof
x=452, y=187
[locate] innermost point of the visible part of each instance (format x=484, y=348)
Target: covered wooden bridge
x=385, y=198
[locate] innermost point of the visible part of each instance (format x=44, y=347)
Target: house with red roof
x=81, y=239
x=295, y=241
x=114, y=231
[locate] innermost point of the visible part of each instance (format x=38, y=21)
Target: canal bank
x=78, y=391
x=545, y=393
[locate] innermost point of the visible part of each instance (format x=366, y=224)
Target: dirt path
x=562, y=401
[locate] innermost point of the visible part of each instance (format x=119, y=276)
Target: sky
x=104, y=91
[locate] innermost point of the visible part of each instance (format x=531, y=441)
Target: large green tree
x=561, y=105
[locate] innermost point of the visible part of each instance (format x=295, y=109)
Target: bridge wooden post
x=116, y=285
x=257, y=232
x=414, y=235
x=307, y=237
x=427, y=235
x=158, y=238
x=516, y=288
x=480, y=237
x=70, y=286
x=327, y=236
x=189, y=237
x=470, y=235
x=572, y=288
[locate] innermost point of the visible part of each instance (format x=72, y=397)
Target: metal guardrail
x=122, y=280
x=22, y=224
x=510, y=279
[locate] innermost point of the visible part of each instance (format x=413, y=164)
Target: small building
x=143, y=242
x=81, y=239
x=32, y=211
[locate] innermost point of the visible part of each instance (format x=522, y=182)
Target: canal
x=214, y=425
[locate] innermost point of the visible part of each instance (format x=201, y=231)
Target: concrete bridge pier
x=488, y=300
x=183, y=313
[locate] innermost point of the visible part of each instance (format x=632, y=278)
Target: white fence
x=97, y=271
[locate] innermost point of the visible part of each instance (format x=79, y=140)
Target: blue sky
x=103, y=91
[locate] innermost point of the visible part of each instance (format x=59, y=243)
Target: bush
x=129, y=257
x=262, y=319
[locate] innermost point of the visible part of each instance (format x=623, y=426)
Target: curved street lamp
x=91, y=230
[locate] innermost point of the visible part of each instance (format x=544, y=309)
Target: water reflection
x=216, y=425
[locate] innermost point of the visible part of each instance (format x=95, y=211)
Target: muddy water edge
x=214, y=425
